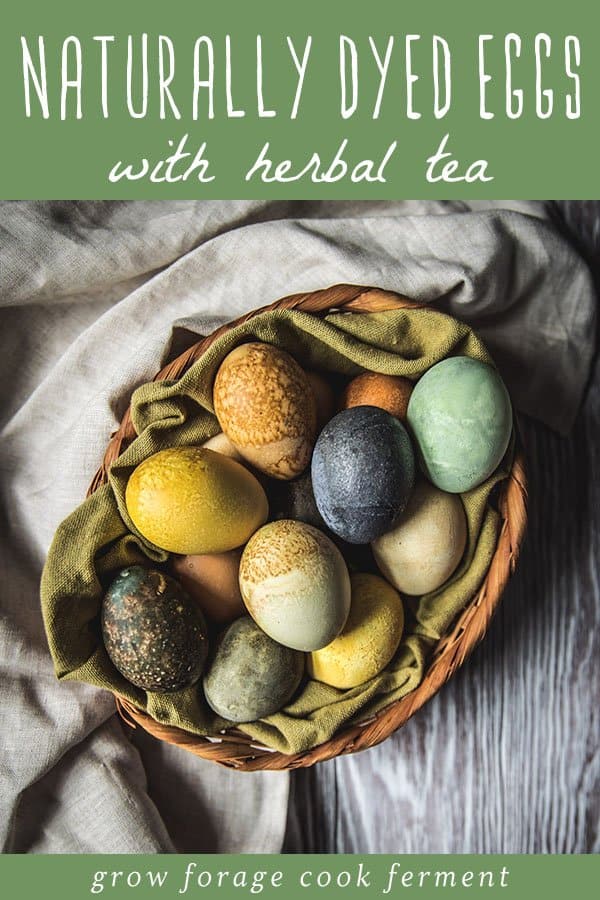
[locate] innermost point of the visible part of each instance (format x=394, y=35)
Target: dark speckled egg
x=153, y=632
x=363, y=472
x=251, y=675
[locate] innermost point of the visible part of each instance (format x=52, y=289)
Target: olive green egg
x=461, y=419
x=251, y=676
x=153, y=632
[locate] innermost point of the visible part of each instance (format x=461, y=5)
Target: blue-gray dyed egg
x=461, y=419
x=363, y=471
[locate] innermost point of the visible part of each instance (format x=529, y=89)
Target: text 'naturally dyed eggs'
x=295, y=584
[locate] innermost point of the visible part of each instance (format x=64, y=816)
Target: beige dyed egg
x=369, y=638
x=427, y=544
x=389, y=392
x=220, y=443
x=295, y=584
x=324, y=398
x=191, y=500
x=266, y=407
x=212, y=580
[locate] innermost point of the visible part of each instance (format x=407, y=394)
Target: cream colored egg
x=427, y=544
x=191, y=500
x=369, y=638
x=220, y=443
x=295, y=584
x=266, y=407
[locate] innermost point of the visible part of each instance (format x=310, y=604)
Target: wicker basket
x=236, y=749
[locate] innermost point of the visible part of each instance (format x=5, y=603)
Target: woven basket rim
x=235, y=749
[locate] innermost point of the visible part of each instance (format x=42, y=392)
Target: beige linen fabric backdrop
x=93, y=297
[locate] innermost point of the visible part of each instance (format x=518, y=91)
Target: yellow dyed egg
x=295, y=584
x=191, y=500
x=369, y=638
x=266, y=407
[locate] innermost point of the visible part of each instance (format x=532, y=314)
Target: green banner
x=306, y=100
x=161, y=877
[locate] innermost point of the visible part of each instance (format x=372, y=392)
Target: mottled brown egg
x=389, y=392
x=266, y=407
x=212, y=579
x=324, y=398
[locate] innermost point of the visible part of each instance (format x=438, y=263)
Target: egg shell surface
x=369, y=638
x=295, y=584
x=362, y=473
x=461, y=419
x=153, y=632
x=324, y=398
x=212, y=580
x=190, y=500
x=423, y=550
x=295, y=499
x=251, y=676
x=266, y=407
x=220, y=443
x=389, y=392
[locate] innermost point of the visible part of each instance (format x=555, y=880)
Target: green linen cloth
x=98, y=538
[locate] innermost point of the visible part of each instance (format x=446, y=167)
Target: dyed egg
x=295, y=500
x=266, y=407
x=251, y=676
x=220, y=443
x=362, y=473
x=212, y=580
x=422, y=551
x=153, y=632
x=389, y=392
x=191, y=500
x=324, y=398
x=461, y=418
x=369, y=638
x=295, y=584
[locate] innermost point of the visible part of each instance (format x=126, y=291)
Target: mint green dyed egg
x=461, y=419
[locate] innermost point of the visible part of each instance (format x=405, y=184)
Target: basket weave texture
x=237, y=750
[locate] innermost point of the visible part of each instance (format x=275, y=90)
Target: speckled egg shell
x=422, y=551
x=362, y=473
x=153, y=632
x=212, y=580
x=191, y=500
x=295, y=584
x=266, y=407
x=294, y=500
x=461, y=419
x=389, y=392
x=369, y=639
x=251, y=676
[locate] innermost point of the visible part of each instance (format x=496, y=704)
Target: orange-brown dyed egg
x=266, y=407
x=324, y=398
x=212, y=580
x=389, y=392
